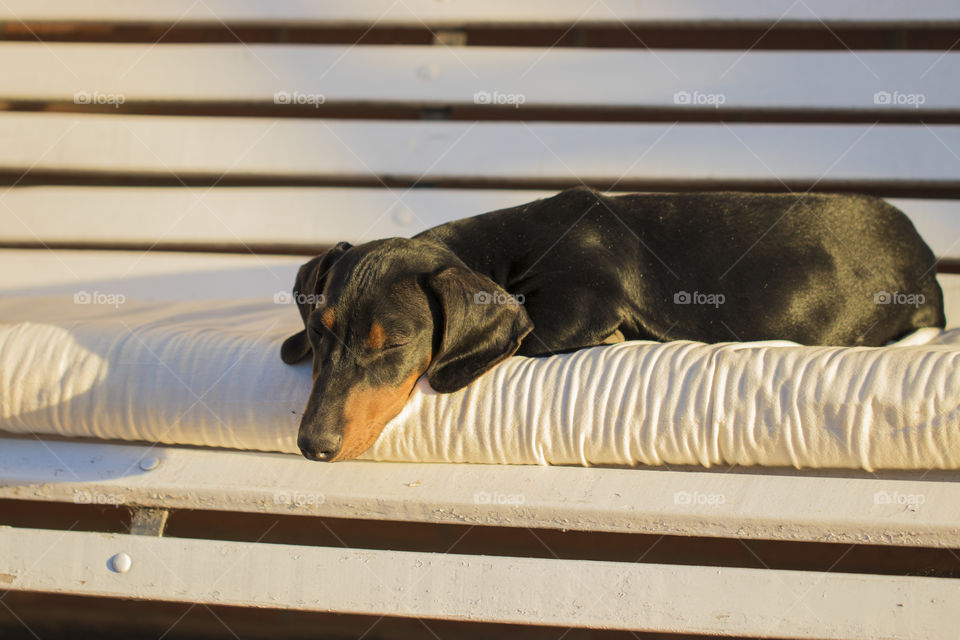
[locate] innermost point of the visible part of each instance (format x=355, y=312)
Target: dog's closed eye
x=379, y=340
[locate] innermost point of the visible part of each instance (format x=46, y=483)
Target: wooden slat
x=161, y=275
x=146, y=275
x=487, y=12
x=917, y=82
x=574, y=593
x=300, y=217
x=807, y=506
x=304, y=217
x=714, y=154
x=937, y=221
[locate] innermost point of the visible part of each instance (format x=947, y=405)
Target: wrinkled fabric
x=210, y=374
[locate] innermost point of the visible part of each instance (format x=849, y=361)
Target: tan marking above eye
x=328, y=317
x=377, y=336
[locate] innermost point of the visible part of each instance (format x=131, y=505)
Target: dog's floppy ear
x=306, y=291
x=481, y=325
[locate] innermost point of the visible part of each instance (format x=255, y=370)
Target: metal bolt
x=403, y=216
x=150, y=463
x=429, y=71
x=120, y=563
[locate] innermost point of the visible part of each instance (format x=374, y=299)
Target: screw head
x=402, y=215
x=150, y=463
x=120, y=563
x=428, y=71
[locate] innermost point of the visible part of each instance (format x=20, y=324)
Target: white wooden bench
x=137, y=149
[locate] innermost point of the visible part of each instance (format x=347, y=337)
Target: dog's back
x=813, y=268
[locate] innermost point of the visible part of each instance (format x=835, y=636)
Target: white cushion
x=209, y=373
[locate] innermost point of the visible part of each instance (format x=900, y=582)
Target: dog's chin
x=358, y=442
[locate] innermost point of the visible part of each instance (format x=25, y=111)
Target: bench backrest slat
x=912, y=84
x=502, y=12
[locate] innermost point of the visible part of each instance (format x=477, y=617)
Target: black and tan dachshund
x=583, y=269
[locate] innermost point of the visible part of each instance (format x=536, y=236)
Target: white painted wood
x=916, y=81
x=486, y=12
x=937, y=221
x=299, y=216
x=726, y=155
x=162, y=275
x=145, y=275
x=569, y=593
x=768, y=504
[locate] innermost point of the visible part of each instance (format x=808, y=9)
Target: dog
x=582, y=269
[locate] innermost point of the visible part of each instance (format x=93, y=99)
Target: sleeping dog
x=583, y=269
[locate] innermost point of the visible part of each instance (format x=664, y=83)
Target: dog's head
x=377, y=317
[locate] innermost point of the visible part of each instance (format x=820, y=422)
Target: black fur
x=586, y=268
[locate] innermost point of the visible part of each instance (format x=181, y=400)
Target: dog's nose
x=320, y=449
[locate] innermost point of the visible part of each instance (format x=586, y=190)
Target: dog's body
x=590, y=269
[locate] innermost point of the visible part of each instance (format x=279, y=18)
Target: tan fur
x=367, y=411
x=614, y=338
x=377, y=336
x=328, y=317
